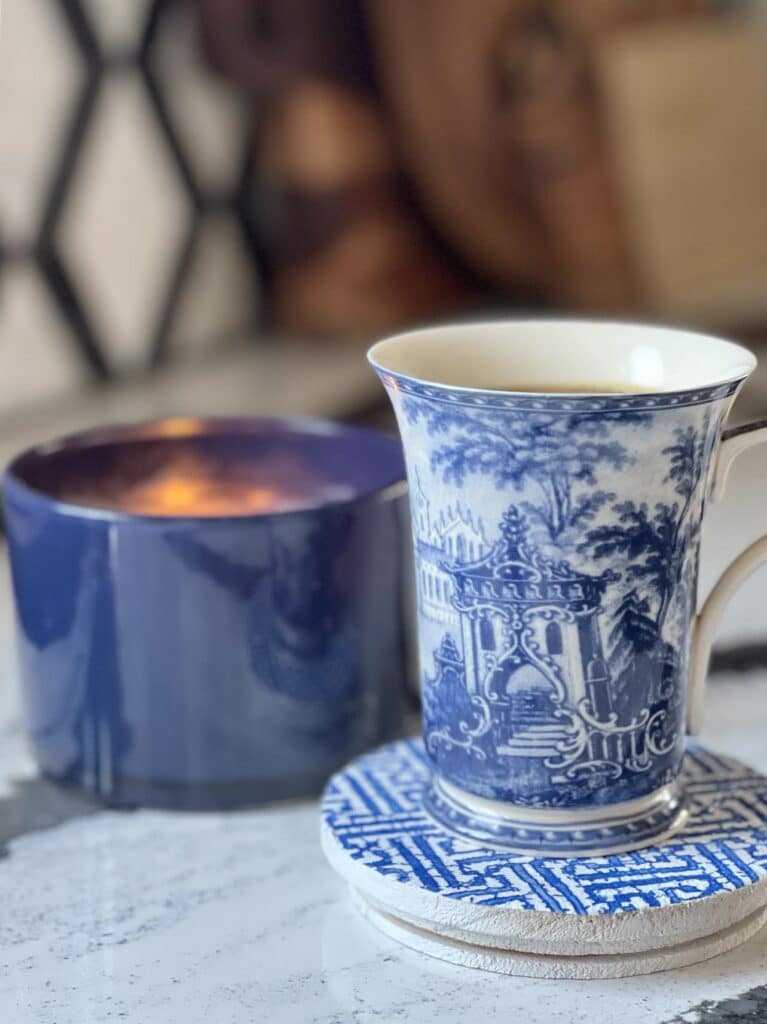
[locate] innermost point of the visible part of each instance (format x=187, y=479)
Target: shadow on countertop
x=36, y=804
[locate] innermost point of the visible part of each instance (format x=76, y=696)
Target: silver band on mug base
x=552, y=832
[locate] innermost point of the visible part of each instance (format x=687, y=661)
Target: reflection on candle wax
x=192, y=485
x=179, y=492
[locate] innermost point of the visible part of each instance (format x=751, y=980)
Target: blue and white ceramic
x=699, y=892
x=557, y=538
x=373, y=817
x=210, y=661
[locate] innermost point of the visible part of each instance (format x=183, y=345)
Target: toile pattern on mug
x=557, y=539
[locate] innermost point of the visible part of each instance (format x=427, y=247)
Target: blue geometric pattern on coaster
x=373, y=811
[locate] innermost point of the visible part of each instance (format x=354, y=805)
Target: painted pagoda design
x=526, y=672
x=452, y=536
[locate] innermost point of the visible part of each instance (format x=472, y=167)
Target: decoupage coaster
x=683, y=900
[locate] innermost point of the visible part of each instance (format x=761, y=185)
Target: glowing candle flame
x=179, y=493
x=188, y=480
x=187, y=485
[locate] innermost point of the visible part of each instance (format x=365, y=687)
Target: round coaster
x=582, y=968
x=683, y=900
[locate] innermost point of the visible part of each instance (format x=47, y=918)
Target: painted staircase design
x=537, y=731
x=536, y=740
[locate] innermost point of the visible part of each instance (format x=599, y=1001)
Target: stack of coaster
x=681, y=901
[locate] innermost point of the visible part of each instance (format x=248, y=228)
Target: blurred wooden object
x=349, y=255
x=551, y=133
x=437, y=60
x=687, y=115
x=352, y=259
x=596, y=155
x=498, y=110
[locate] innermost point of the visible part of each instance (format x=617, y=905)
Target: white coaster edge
x=587, y=967
x=545, y=932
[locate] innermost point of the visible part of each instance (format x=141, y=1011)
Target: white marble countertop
x=158, y=918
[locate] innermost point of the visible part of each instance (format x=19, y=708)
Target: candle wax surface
x=192, y=483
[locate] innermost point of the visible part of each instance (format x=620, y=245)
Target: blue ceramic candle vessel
x=209, y=660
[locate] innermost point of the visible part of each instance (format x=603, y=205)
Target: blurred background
x=214, y=205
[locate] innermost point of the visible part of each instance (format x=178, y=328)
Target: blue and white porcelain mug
x=559, y=473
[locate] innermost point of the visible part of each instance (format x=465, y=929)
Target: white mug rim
x=568, y=329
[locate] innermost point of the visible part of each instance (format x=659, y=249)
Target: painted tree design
x=642, y=664
x=646, y=539
x=657, y=542
x=558, y=454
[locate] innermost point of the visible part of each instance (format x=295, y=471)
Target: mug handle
x=734, y=442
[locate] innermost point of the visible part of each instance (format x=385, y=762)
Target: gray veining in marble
x=157, y=917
